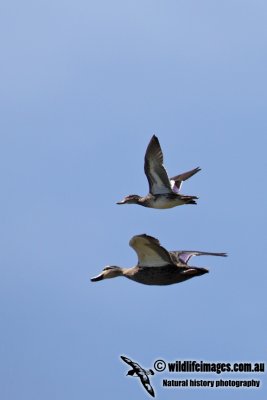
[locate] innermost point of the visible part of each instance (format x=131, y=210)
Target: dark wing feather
x=146, y=383
x=132, y=363
x=157, y=176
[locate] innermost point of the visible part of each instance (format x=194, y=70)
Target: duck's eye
x=107, y=268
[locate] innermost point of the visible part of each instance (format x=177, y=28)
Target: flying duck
x=156, y=265
x=141, y=373
x=163, y=191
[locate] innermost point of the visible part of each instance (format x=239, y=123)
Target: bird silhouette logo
x=141, y=373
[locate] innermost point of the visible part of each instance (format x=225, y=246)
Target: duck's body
x=167, y=275
x=163, y=191
x=160, y=201
x=156, y=266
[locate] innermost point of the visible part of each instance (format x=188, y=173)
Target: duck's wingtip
x=154, y=139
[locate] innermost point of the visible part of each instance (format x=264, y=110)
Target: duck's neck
x=143, y=201
x=118, y=271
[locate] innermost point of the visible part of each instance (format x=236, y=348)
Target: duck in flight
x=156, y=265
x=164, y=192
x=140, y=373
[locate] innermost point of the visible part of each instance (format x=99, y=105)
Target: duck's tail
x=189, y=199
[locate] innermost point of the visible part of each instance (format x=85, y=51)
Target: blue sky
x=84, y=85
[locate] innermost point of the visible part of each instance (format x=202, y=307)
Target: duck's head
x=131, y=199
x=108, y=272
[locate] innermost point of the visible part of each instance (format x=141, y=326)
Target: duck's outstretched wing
x=149, y=251
x=157, y=176
x=176, y=181
x=183, y=256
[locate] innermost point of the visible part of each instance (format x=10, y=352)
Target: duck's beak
x=121, y=202
x=97, y=278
